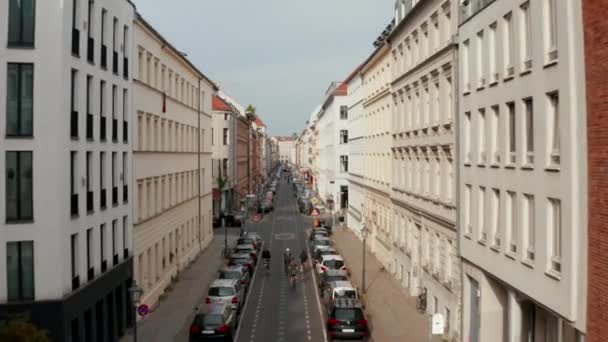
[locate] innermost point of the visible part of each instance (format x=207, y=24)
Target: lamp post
x=135, y=292
x=364, y=232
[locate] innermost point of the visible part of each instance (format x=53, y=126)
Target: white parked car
x=333, y=262
x=226, y=291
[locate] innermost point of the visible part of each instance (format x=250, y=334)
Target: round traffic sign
x=143, y=310
x=256, y=218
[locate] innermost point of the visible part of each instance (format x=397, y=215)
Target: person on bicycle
x=286, y=259
x=293, y=271
x=303, y=259
x=266, y=256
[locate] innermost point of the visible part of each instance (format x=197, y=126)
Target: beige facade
x=172, y=211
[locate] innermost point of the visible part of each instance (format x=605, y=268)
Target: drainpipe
x=198, y=170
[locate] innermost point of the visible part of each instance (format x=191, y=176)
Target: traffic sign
x=315, y=212
x=314, y=200
x=438, y=324
x=143, y=310
x=256, y=218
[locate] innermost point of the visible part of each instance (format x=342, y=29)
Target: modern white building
x=423, y=86
x=172, y=161
x=522, y=144
x=66, y=242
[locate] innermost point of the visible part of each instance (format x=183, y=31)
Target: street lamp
x=135, y=292
x=364, y=233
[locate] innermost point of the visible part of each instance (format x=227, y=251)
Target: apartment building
x=423, y=187
x=286, y=149
x=522, y=170
x=172, y=161
x=66, y=224
x=223, y=151
x=356, y=147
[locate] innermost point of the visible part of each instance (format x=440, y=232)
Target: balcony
x=103, y=199
x=102, y=128
x=115, y=259
x=74, y=125
x=115, y=62
x=125, y=131
x=115, y=196
x=104, y=56
x=89, y=202
x=75, y=283
x=74, y=205
x=125, y=193
x=91, y=50
x=75, y=42
x=114, y=130
x=125, y=253
x=90, y=274
x=125, y=68
x=89, y=126
x=104, y=266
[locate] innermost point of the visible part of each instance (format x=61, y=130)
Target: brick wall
x=596, y=63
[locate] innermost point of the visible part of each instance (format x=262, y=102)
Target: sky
x=279, y=55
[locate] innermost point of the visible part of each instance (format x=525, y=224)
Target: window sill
x=495, y=165
x=493, y=83
x=525, y=72
x=511, y=255
x=467, y=163
x=20, y=221
x=507, y=78
x=20, y=46
x=482, y=242
x=553, y=274
x=553, y=168
x=480, y=88
x=528, y=262
x=466, y=92
x=495, y=248
x=481, y=165
x=528, y=167
x=509, y=166
x=20, y=137
x=75, y=217
x=550, y=63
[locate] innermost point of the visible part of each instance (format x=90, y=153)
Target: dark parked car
x=233, y=220
x=242, y=259
x=318, y=255
x=218, y=323
x=332, y=275
x=249, y=240
x=235, y=272
x=217, y=221
x=346, y=320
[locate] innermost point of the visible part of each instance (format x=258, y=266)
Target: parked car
x=332, y=275
x=219, y=322
x=255, y=235
x=334, y=262
x=233, y=220
x=238, y=272
x=266, y=206
x=249, y=240
x=318, y=232
x=247, y=248
x=334, y=290
x=318, y=255
x=346, y=320
x=320, y=242
x=217, y=221
x=228, y=291
x=244, y=260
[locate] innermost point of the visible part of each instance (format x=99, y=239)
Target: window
x=511, y=221
x=511, y=133
x=125, y=111
x=343, y=112
x=89, y=252
x=343, y=163
x=479, y=61
x=21, y=23
x=89, y=183
x=74, y=105
x=481, y=136
x=526, y=36
x=551, y=29
x=102, y=112
x=495, y=154
x=496, y=217
x=225, y=136
x=555, y=222
x=553, y=127
x=528, y=224
x=225, y=167
x=114, y=240
x=492, y=53
x=19, y=192
x=467, y=137
x=74, y=257
x=509, y=46
x=20, y=270
x=125, y=230
x=19, y=99
x=465, y=66
x=467, y=209
x=102, y=245
x=89, y=107
x=480, y=207
x=343, y=136
x=73, y=184
x=529, y=129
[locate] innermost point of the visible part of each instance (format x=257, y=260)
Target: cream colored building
x=424, y=156
x=523, y=170
x=172, y=211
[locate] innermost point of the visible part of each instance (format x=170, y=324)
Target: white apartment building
x=332, y=146
x=423, y=130
x=356, y=147
x=223, y=146
x=66, y=243
x=522, y=170
x=287, y=151
x=172, y=161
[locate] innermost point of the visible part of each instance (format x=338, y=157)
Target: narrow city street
x=274, y=310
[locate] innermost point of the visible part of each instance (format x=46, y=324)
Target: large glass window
x=19, y=99
x=19, y=201
x=20, y=270
x=21, y=22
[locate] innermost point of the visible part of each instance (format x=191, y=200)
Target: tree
x=21, y=330
x=250, y=112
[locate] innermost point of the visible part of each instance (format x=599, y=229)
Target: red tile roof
x=341, y=90
x=259, y=121
x=218, y=104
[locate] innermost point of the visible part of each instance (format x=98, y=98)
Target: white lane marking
x=316, y=287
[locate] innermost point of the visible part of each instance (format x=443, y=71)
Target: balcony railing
x=90, y=274
x=125, y=67
x=114, y=130
x=103, y=199
x=74, y=205
x=115, y=259
x=90, y=126
x=74, y=124
x=75, y=42
x=104, y=56
x=125, y=193
x=91, y=50
x=104, y=265
x=115, y=195
x=89, y=201
x=75, y=283
x=115, y=62
x=102, y=128
x=125, y=131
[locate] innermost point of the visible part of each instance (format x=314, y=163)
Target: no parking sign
x=143, y=310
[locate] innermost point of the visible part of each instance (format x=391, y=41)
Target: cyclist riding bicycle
x=287, y=259
x=293, y=272
x=303, y=259
x=266, y=257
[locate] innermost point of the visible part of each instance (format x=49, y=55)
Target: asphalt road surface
x=274, y=310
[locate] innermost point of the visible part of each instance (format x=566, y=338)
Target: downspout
x=198, y=170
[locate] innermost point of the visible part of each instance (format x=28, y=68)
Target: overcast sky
x=279, y=55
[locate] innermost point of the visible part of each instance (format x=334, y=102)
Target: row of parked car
x=218, y=319
x=343, y=310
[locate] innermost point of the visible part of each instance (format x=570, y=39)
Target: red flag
x=164, y=102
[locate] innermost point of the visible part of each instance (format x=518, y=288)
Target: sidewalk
x=391, y=311
x=172, y=317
